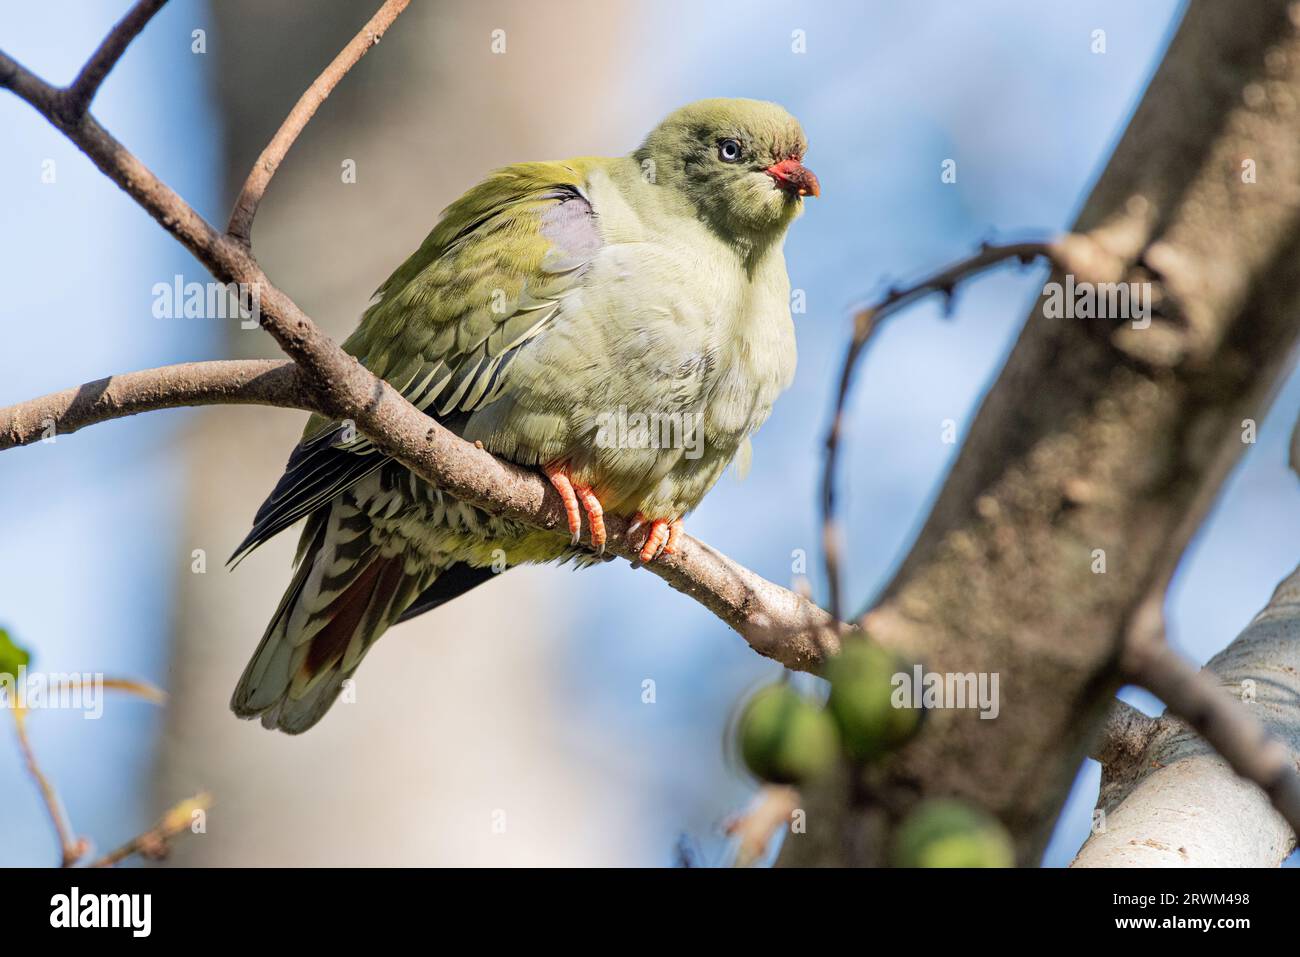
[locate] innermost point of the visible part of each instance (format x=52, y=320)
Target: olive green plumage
x=548, y=300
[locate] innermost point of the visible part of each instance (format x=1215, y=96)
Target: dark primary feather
x=451, y=583
x=318, y=469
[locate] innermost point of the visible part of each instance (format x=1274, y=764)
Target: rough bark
x=1098, y=435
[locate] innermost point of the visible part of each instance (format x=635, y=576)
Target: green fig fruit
x=942, y=832
x=785, y=738
x=861, y=700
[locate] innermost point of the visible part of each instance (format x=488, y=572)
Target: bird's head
x=738, y=162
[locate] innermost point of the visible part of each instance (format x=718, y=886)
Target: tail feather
x=344, y=594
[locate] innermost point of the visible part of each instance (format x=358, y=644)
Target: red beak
x=793, y=177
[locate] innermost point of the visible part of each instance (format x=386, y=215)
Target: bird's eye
x=729, y=151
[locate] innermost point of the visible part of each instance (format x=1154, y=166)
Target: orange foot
x=578, y=498
x=661, y=539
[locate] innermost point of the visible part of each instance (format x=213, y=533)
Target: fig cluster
x=787, y=738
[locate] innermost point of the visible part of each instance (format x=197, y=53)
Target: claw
x=577, y=499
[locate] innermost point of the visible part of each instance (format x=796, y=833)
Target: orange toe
x=662, y=538
x=674, y=537
x=595, y=515
x=560, y=480
x=578, y=499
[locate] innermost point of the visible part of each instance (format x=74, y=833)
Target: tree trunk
x=1100, y=439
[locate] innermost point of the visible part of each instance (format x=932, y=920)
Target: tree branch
x=1195, y=792
x=754, y=828
x=1194, y=696
x=274, y=382
x=76, y=99
x=1097, y=451
x=776, y=622
x=72, y=848
x=259, y=177
x=1200, y=700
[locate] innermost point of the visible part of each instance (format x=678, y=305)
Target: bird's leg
x=662, y=538
x=578, y=498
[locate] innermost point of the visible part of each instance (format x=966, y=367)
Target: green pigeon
x=622, y=324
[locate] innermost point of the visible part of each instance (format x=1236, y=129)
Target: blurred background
x=525, y=698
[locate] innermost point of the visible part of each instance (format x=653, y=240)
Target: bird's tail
x=344, y=594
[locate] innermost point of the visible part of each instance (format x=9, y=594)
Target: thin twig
x=81, y=92
x=70, y=848
x=1196, y=698
x=154, y=842
x=865, y=325
x=259, y=177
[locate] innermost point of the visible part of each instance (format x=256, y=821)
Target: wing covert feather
x=446, y=326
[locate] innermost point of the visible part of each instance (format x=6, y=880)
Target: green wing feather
x=447, y=324
x=486, y=280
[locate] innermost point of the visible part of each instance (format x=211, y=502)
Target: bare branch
x=1198, y=699
x=154, y=842
x=71, y=848
x=776, y=622
x=865, y=325
x=259, y=177
x=79, y=95
x=275, y=382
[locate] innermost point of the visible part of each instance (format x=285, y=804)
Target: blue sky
x=886, y=92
